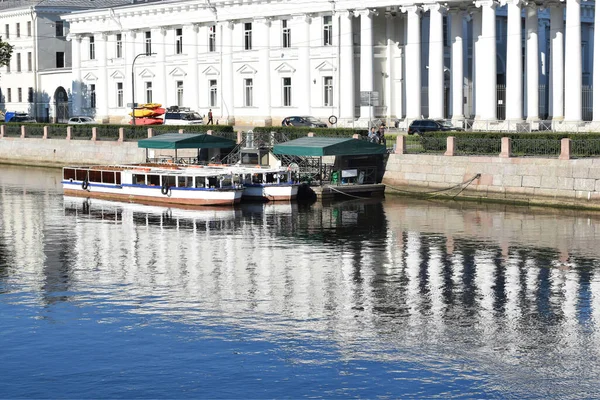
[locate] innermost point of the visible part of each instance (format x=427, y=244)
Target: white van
x=183, y=117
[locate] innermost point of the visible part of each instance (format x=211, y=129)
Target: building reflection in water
x=507, y=288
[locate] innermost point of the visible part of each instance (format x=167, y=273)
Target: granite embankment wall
x=59, y=152
x=548, y=181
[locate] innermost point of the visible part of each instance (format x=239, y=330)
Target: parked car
x=18, y=117
x=419, y=126
x=183, y=118
x=80, y=120
x=303, y=121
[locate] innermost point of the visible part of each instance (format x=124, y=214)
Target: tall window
x=213, y=92
x=9, y=95
x=248, y=92
x=178, y=41
x=59, y=28
x=328, y=91
x=7, y=31
x=19, y=95
x=148, y=92
x=327, y=31
x=29, y=28
x=92, y=90
x=30, y=95
x=148, y=42
x=119, y=94
x=212, y=38
x=119, y=46
x=60, y=59
x=18, y=62
x=92, y=48
x=29, y=62
x=179, y=93
x=248, y=36
x=18, y=29
x=286, y=34
x=287, y=92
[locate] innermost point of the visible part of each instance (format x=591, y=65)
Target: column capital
x=518, y=3
x=264, y=20
x=305, y=17
x=435, y=7
x=411, y=9
x=163, y=30
x=367, y=12
x=226, y=24
x=347, y=13
x=530, y=4
x=486, y=3
x=103, y=36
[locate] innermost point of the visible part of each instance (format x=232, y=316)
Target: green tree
x=6, y=50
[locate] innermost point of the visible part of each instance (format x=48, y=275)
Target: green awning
x=328, y=146
x=185, y=141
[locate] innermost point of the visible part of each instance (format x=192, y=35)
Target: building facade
x=256, y=62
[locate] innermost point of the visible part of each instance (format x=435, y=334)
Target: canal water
x=399, y=298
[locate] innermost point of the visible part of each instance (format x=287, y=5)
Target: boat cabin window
x=185, y=181
x=108, y=176
x=283, y=177
x=213, y=182
x=169, y=179
x=270, y=178
x=68, y=173
x=95, y=176
x=200, y=181
x=226, y=181
x=257, y=178
x=139, y=179
x=154, y=180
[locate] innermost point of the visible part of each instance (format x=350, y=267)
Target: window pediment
x=246, y=70
x=146, y=73
x=325, y=66
x=211, y=71
x=178, y=72
x=117, y=75
x=285, y=68
x=90, y=77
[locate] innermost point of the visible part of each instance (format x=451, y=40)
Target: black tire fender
x=85, y=184
x=165, y=188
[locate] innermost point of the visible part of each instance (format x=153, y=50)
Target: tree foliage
x=6, y=50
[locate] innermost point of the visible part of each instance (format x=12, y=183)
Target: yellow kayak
x=142, y=112
x=150, y=105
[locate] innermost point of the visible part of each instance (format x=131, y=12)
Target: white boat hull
x=153, y=194
x=282, y=192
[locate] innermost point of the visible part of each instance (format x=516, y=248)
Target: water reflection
x=453, y=287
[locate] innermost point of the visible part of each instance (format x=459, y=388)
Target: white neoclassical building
x=254, y=62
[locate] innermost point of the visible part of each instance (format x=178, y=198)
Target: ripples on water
x=354, y=299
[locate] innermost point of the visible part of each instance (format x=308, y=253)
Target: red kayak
x=147, y=121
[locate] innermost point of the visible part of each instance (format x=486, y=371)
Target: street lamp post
x=133, y=85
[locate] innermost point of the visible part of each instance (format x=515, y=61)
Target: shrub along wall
x=294, y=132
x=84, y=131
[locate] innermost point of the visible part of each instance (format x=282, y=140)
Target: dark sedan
x=311, y=122
x=429, y=125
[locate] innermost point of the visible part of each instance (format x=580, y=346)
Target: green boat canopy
x=328, y=146
x=185, y=141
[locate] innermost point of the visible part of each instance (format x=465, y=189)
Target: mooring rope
x=438, y=191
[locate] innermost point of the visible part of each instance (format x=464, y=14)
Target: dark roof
x=328, y=146
x=186, y=141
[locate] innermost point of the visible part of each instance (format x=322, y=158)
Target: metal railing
x=477, y=146
x=535, y=147
x=585, y=148
x=416, y=144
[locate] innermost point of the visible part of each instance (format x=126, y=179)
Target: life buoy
x=165, y=188
x=85, y=184
x=333, y=120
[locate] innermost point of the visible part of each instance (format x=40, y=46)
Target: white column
x=102, y=83
x=413, y=62
x=159, y=46
x=190, y=47
x=76, y=67
x=264, y=41
x=366, y=59
x=226, y=33
x=347, y=89
x=486, y=54
x=514, y=63
x=573, y=61
x=301, y=40
x=557, y=57
x=533, y=78
x=596, y=73
x=436, y=61
x=476, y=34
x=388, y=75
x=457, y=70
